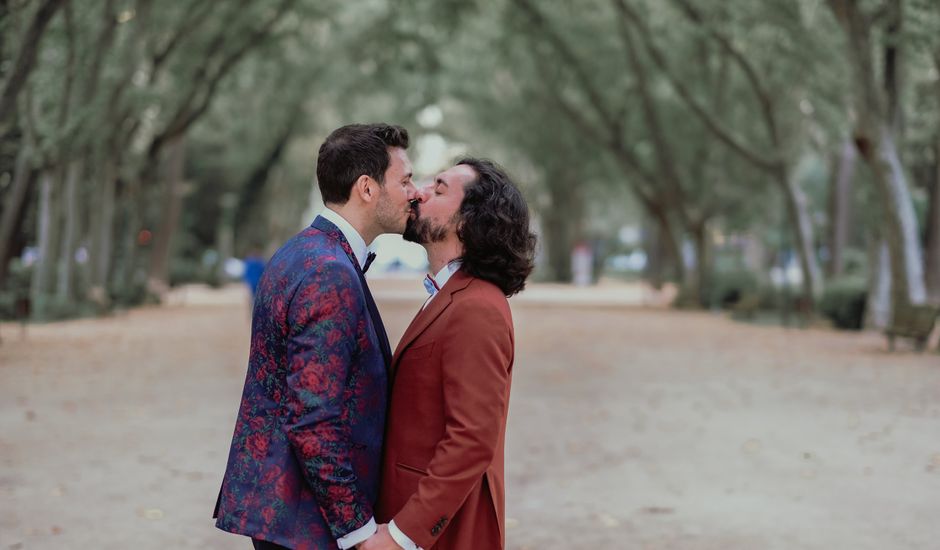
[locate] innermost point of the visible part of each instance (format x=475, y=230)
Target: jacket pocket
x=419, y=352
x=411, y=469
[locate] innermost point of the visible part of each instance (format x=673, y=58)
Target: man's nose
x=421, y=195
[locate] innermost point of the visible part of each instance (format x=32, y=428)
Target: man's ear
x=365, y=188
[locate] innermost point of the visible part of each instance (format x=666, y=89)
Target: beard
x=422, y=230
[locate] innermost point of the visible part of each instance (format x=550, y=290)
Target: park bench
x=912, y=321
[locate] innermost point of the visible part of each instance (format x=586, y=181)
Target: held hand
x=381, y=540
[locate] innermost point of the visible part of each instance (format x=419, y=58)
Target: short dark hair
x=352, y=151
x=493, y=227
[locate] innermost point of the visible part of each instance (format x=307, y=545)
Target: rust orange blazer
x=442, y=471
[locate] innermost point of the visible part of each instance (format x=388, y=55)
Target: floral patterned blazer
x=303, y=469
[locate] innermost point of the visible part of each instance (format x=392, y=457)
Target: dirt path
x=629, y=428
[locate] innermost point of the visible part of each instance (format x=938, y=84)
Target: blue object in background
x=254, y=267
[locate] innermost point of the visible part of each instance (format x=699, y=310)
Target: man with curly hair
x=442, y=482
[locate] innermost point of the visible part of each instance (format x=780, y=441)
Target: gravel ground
x=629, y=428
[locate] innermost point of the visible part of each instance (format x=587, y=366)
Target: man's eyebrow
x=407, y=176
x=441, y=182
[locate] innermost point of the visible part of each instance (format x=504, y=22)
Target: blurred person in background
x=442, y=472
x=305, y=456
x=254, y=267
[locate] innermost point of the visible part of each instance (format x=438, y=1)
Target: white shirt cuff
x=400, y=538
x=359, y=535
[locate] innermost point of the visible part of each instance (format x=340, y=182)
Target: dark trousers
x=265, y=545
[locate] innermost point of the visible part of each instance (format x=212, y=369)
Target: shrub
x=843, y=302
x=187, y=270
x=726, y=288
x=15, y=290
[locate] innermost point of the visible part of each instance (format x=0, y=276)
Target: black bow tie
x=369, y=260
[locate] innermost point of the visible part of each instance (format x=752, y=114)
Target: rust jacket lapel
x=429, y=314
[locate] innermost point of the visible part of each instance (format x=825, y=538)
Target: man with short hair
x=442, y=472
x=304, y=462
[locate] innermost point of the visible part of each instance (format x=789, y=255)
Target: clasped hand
x=381, y=540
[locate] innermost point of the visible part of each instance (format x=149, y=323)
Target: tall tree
x=773, y=159
x=876, y=135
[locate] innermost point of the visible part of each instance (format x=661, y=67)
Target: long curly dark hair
x=494, y=228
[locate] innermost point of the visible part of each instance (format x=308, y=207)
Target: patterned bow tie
x=430, y=285
x=369, y=259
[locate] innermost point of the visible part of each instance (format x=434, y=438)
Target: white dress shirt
x=355, y=240
x=401, y=538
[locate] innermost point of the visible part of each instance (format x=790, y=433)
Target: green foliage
x=50, y=307
x=843, y=302
x=568, y=101
x=727, y=288
x=187, y=271
x=134, y=293
x=855, y=262
x=15, y=291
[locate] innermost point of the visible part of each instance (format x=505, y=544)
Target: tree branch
x=188, y=113
x=201, y=11
x=765, y=163
x=750, y=73
x=26, y=60
x=560, y=46
x=664, y=155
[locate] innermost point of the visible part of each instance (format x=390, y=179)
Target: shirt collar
x=355, y=240
x=445, y=273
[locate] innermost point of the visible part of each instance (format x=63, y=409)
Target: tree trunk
x=66, y=275
x=158, y=277
x=559, y=244
x=655, y=253
x=878, y=122
x=932, y=262
x=840, y=204
x=103, y=238
x=893, y=55
x=563, y=223
x=47, y=232
x=126, y=278
x=225, y=232
x=879, y=284
x=802, y=224
x=699, y=284
x=12, y=216
x=663, y=251
x=900, y=221
x=673, y=244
